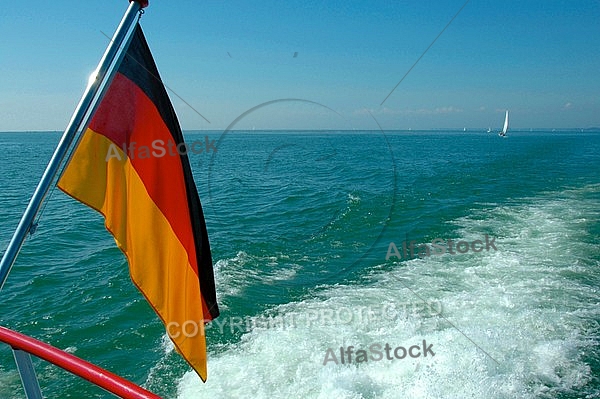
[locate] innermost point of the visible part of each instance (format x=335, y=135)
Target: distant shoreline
x=358, y=131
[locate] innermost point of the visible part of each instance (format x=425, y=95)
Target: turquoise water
x=300, y=224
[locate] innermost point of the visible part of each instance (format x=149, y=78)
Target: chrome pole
x=90, y=98
x=27, y=372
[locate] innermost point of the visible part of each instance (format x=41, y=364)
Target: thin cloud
x=418, y=111
x=447, y=110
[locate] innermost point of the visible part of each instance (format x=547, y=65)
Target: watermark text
x=375, y=353
x=159, y=149
x=439, y=247
x=356, y=315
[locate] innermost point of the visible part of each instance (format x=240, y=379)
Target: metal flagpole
x=88, y=102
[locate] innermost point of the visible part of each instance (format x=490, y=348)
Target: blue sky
x=539, y=59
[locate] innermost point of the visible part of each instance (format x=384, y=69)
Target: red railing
x=88, y=371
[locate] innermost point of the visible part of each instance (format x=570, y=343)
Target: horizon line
x=453, y=129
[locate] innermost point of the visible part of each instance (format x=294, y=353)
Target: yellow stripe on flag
x=143, y=233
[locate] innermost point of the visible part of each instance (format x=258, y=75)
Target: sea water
x=300, y=223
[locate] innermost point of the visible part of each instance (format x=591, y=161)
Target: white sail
x=505, y=128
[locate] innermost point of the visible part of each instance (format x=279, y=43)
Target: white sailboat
x=505, y=128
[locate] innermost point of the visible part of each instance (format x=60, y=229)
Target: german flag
x=131, y=166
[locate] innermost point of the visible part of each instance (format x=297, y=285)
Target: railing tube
x=86, y=370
